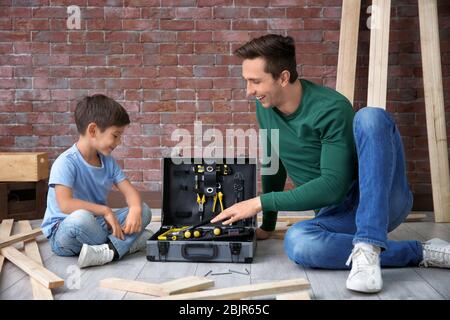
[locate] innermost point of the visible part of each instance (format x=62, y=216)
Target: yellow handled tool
x=171, y=233
x=220, y=196
x=201, y=201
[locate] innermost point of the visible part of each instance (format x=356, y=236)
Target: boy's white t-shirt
x=88, y=182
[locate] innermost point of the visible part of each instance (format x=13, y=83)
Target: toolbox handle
x=199, y=257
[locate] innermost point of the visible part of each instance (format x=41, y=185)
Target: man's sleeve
x=270, y=182
x=337, y=163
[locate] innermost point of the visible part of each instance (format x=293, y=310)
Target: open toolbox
x=195, y=192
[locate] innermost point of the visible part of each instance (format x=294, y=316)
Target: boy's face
x=105, y=142
x=261, y=84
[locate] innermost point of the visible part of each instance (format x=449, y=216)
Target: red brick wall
x=169, y=62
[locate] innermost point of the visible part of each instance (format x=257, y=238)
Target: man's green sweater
x=316, y=150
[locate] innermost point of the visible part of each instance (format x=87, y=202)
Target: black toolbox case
x=182, y=182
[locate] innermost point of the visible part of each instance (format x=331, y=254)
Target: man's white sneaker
x=141, y=241
x=436, y=253
x=365, y=275
x=95, y=255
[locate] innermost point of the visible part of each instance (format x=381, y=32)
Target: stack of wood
x=23, y=185
x=28, y=259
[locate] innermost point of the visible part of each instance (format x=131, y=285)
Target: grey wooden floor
x=270, y=263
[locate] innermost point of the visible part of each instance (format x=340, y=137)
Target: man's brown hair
x=278, y=52
x=102, y=110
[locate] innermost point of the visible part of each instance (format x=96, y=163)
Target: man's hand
x=112, y=221
x=239, y=211
x=133, y=222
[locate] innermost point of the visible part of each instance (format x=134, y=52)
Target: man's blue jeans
x=376, y=204
x=82, y=227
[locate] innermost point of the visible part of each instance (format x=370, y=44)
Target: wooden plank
x=378, y=54
x=38, y=272
x=23, y=166
x=252, y=290
x=20, y=237
x=412, y=217
x=5, y=231
x=32, y=251
x=182, y=285
x=434, y=107
x=348, y=47
x=278, y=234
x=188, y=284
x=298, y=295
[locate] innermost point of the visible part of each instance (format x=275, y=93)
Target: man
x=321, y=143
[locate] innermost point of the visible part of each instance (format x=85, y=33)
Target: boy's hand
x=112, y=221
x=133, y=222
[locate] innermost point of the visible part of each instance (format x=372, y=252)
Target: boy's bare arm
x=67, y=204
x=133, y=223
x=132, y=196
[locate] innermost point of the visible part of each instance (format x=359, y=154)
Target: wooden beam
x=20, y=237
x=5, y=231
x=434, y=107
x=36, y=271
x=348, y=48
x=378, y=54
x=298, y=295
x=182, y=285
x=413, y=217
x=32, y=251
x=290, y=220
x=253, y=290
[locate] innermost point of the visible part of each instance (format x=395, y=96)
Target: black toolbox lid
x=179, y=205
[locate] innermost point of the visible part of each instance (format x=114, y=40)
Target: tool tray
x=184, y=185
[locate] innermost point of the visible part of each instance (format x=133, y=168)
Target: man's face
x=261, y=84
x=108, y=140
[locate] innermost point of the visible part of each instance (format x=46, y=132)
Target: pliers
x=200, y=200
x=220, y=196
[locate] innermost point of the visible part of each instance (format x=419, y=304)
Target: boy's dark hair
x=278, y=52
x=102, y=110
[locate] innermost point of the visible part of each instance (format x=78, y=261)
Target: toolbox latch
x=235, y=248
x=163, y=247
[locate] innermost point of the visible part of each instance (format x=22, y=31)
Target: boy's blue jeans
x=82, y=227
x=374, y=206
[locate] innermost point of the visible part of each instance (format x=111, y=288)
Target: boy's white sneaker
x=95, y=255
x=365, y=275
x=436, y=253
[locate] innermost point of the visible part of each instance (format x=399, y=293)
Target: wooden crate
x=23, y=200
x=23, y=166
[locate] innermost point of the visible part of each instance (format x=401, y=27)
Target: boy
x=349, y=168
x=77, y=219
